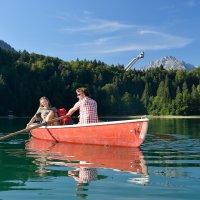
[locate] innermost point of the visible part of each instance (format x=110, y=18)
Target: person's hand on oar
x=44, y=113
x=26, y=130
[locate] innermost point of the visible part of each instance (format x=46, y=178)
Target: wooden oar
x=33, y=127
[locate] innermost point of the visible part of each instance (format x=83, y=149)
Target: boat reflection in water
x=87, y=159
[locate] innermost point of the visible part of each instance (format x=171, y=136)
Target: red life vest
x=62, y=112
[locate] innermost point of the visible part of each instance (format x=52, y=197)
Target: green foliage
x=25, y=77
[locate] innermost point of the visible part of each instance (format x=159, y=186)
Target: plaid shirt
x=86, y=175
x=88, y=110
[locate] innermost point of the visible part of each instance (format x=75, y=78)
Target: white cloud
x=98, y=26
x=105, y=37
x=137, y=40
x=99, y=41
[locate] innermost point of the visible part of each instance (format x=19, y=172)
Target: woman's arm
x=33, y=118
x=75, y=108
x=71, y=111
x=50, y=116
x=31, y=121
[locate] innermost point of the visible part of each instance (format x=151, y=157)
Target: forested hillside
x=25, y=77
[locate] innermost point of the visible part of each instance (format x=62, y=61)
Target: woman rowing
x=44, y=113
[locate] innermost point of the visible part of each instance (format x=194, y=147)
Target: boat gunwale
x=95, y=124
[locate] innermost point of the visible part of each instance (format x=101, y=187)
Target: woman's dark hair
x=85, y=91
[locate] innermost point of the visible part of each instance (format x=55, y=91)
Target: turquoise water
x=166, y=166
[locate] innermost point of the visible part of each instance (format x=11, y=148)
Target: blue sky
x=112, y=31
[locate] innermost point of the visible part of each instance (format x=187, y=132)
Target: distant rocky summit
x=169, y=63
x=6, y=46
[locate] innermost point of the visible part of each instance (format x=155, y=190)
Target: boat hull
x=127, y=133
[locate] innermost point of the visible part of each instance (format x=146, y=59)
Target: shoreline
x=124, y=116
x=152, y=117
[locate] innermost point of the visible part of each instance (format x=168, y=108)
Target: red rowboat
x=80, y=155
x=127, y=133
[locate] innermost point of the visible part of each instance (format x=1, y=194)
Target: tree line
x=25, y=77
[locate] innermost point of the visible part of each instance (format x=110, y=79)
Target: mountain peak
x=6, y=46
x=170, y=63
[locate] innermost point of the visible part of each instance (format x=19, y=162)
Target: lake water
x=166, y=166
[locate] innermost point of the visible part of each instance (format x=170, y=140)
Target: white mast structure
x=132, y=62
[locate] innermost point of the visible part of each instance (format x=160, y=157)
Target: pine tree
x=186, y=99
x=195, y=101
x=178, y=101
